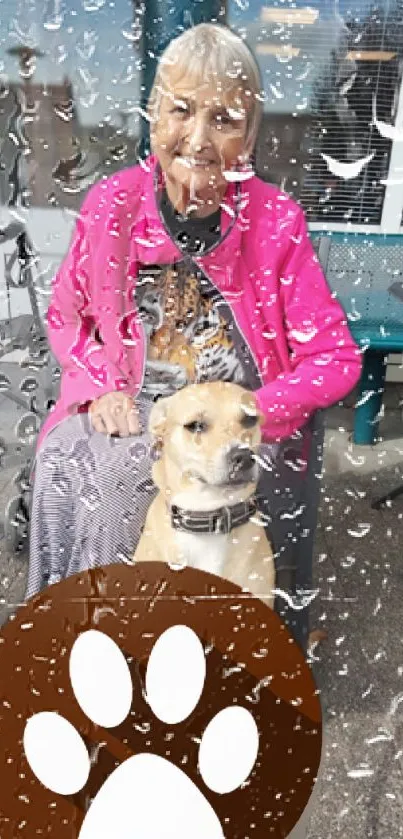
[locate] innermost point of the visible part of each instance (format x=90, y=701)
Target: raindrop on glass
x=85, y=46
x=132, y=30
x=5, y=383
x=53, y=17
x=93, y=5
x=28, y=385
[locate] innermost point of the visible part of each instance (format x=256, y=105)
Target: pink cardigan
x=265, y=268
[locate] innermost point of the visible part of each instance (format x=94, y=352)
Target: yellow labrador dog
x=205, y=513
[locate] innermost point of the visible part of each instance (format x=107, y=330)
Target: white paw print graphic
x=146, y=796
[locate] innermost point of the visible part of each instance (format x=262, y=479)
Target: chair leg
x=372, y=385
x=389, y=496
x=298, y=575
x=296, y=622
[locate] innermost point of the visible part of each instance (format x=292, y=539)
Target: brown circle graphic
x=251, y=660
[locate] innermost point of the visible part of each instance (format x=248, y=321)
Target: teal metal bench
x=361, y=269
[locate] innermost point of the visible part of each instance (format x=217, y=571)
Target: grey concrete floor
x=359, y=669
x=358, y=572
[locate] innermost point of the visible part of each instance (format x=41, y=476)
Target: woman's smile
x=193, y=162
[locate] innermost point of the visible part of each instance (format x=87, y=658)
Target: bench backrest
x=360, y=269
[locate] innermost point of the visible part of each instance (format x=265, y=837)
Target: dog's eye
x=249, y=420
x=196, y=427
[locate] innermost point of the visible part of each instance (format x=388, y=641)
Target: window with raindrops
x=74, y=81
x=332, y=75
x=69, y=112
x=331, y=136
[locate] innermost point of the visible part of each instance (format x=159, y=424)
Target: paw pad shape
x=146, y=796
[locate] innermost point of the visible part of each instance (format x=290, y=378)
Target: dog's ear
x=158, y=418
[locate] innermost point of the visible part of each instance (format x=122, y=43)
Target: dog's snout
x=241, y=460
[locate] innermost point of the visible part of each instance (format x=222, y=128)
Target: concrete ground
x=359, y=580
x=359, y=669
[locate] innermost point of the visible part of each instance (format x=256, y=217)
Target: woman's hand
x=114, y=413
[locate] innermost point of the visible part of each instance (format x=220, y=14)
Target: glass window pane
x=70, y=87
x=69, y=92
x=331, y=73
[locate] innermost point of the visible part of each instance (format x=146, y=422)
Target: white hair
x=212, y=50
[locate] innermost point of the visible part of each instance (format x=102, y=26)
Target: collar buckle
x=222, y=521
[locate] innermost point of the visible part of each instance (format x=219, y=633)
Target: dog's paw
x=149, y=702
x=125, y=804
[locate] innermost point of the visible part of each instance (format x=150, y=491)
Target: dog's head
x=208, y=435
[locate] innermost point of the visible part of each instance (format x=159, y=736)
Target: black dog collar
x=220, y=521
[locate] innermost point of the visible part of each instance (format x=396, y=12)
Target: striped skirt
x=91, y=494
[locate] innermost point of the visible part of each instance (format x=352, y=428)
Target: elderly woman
x=184, y=268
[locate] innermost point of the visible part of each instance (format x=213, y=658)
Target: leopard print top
x=191, y=334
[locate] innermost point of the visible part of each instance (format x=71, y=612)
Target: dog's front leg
x=257, y=585
x=263, y=588
x=156, y=543
x=257, y=576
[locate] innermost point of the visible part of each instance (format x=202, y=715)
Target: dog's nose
x=241, y=460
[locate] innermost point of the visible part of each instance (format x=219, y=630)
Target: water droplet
x=5, y=383
x=29, y=385
x=300, y=600
x=53, y=17
x=60, y=485
x=360, y=773
x=143, y=728
x=362, y=530
x=348, y=562
x=396, y=701
x=85, y=46
x=261, y=653
x=93, y=5
x=278, y=94
x=91, y=497
x=255, y=695
x=177, y=566
x=27, y=428
x=132, y=31
x=137, y=452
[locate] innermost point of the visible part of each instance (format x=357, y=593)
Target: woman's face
x=198, y=134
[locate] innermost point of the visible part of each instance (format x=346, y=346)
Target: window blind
x=330, y=72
